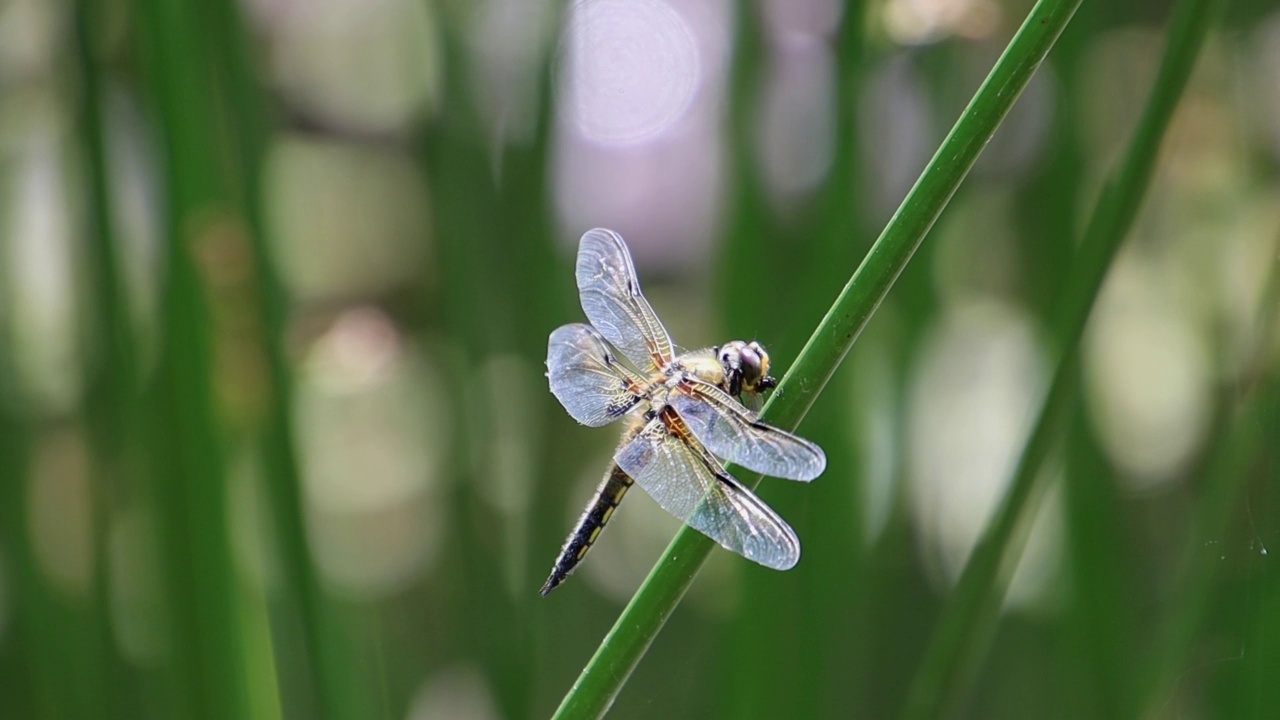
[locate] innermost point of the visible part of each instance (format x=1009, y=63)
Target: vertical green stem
x=1226, y=475
x=205, y=253
x=28, y=672
x=325, y=672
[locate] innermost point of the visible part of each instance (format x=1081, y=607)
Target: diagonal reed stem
x=604, y=675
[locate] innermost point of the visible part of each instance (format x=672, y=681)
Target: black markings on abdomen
x=589, y=525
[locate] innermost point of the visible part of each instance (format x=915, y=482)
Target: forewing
x=610, y=296
x=733, y=432
x=695, y=488
x=586, y=378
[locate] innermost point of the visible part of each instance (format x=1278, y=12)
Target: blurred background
x=276, y=279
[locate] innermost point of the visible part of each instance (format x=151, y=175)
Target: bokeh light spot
x=969, y=408
x=458, y=692
x=631, y=69
x=60, y=507
x=370, y=452
x=1148, y=379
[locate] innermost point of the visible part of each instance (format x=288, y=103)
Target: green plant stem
x=1225, y=480
x=470, y=178
x=968, y=621
x=603, y=677
x=109, y=369
x=1100, y=606
x=29, y=684
x=1226, y=476
x=323, y=666
x=202, y=231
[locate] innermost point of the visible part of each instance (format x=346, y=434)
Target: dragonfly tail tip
x=548, y=586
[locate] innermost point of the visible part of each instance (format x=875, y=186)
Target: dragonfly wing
x=610, y=296
x=734, y=433
x=586, y=378
x=695, y=488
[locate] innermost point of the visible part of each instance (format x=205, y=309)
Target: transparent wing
x=734, y=433
x=586, y=378
x=610, y=296
x=695, y=488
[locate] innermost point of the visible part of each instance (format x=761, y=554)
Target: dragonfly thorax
x=702, y=365
x=656, y=395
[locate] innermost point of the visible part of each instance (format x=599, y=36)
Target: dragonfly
x=684, y=415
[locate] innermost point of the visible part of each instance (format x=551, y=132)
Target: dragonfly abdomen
x=587, y=529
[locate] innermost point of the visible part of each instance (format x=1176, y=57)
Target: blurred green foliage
x=275, y=285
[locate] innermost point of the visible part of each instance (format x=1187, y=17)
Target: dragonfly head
x=746, y=367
